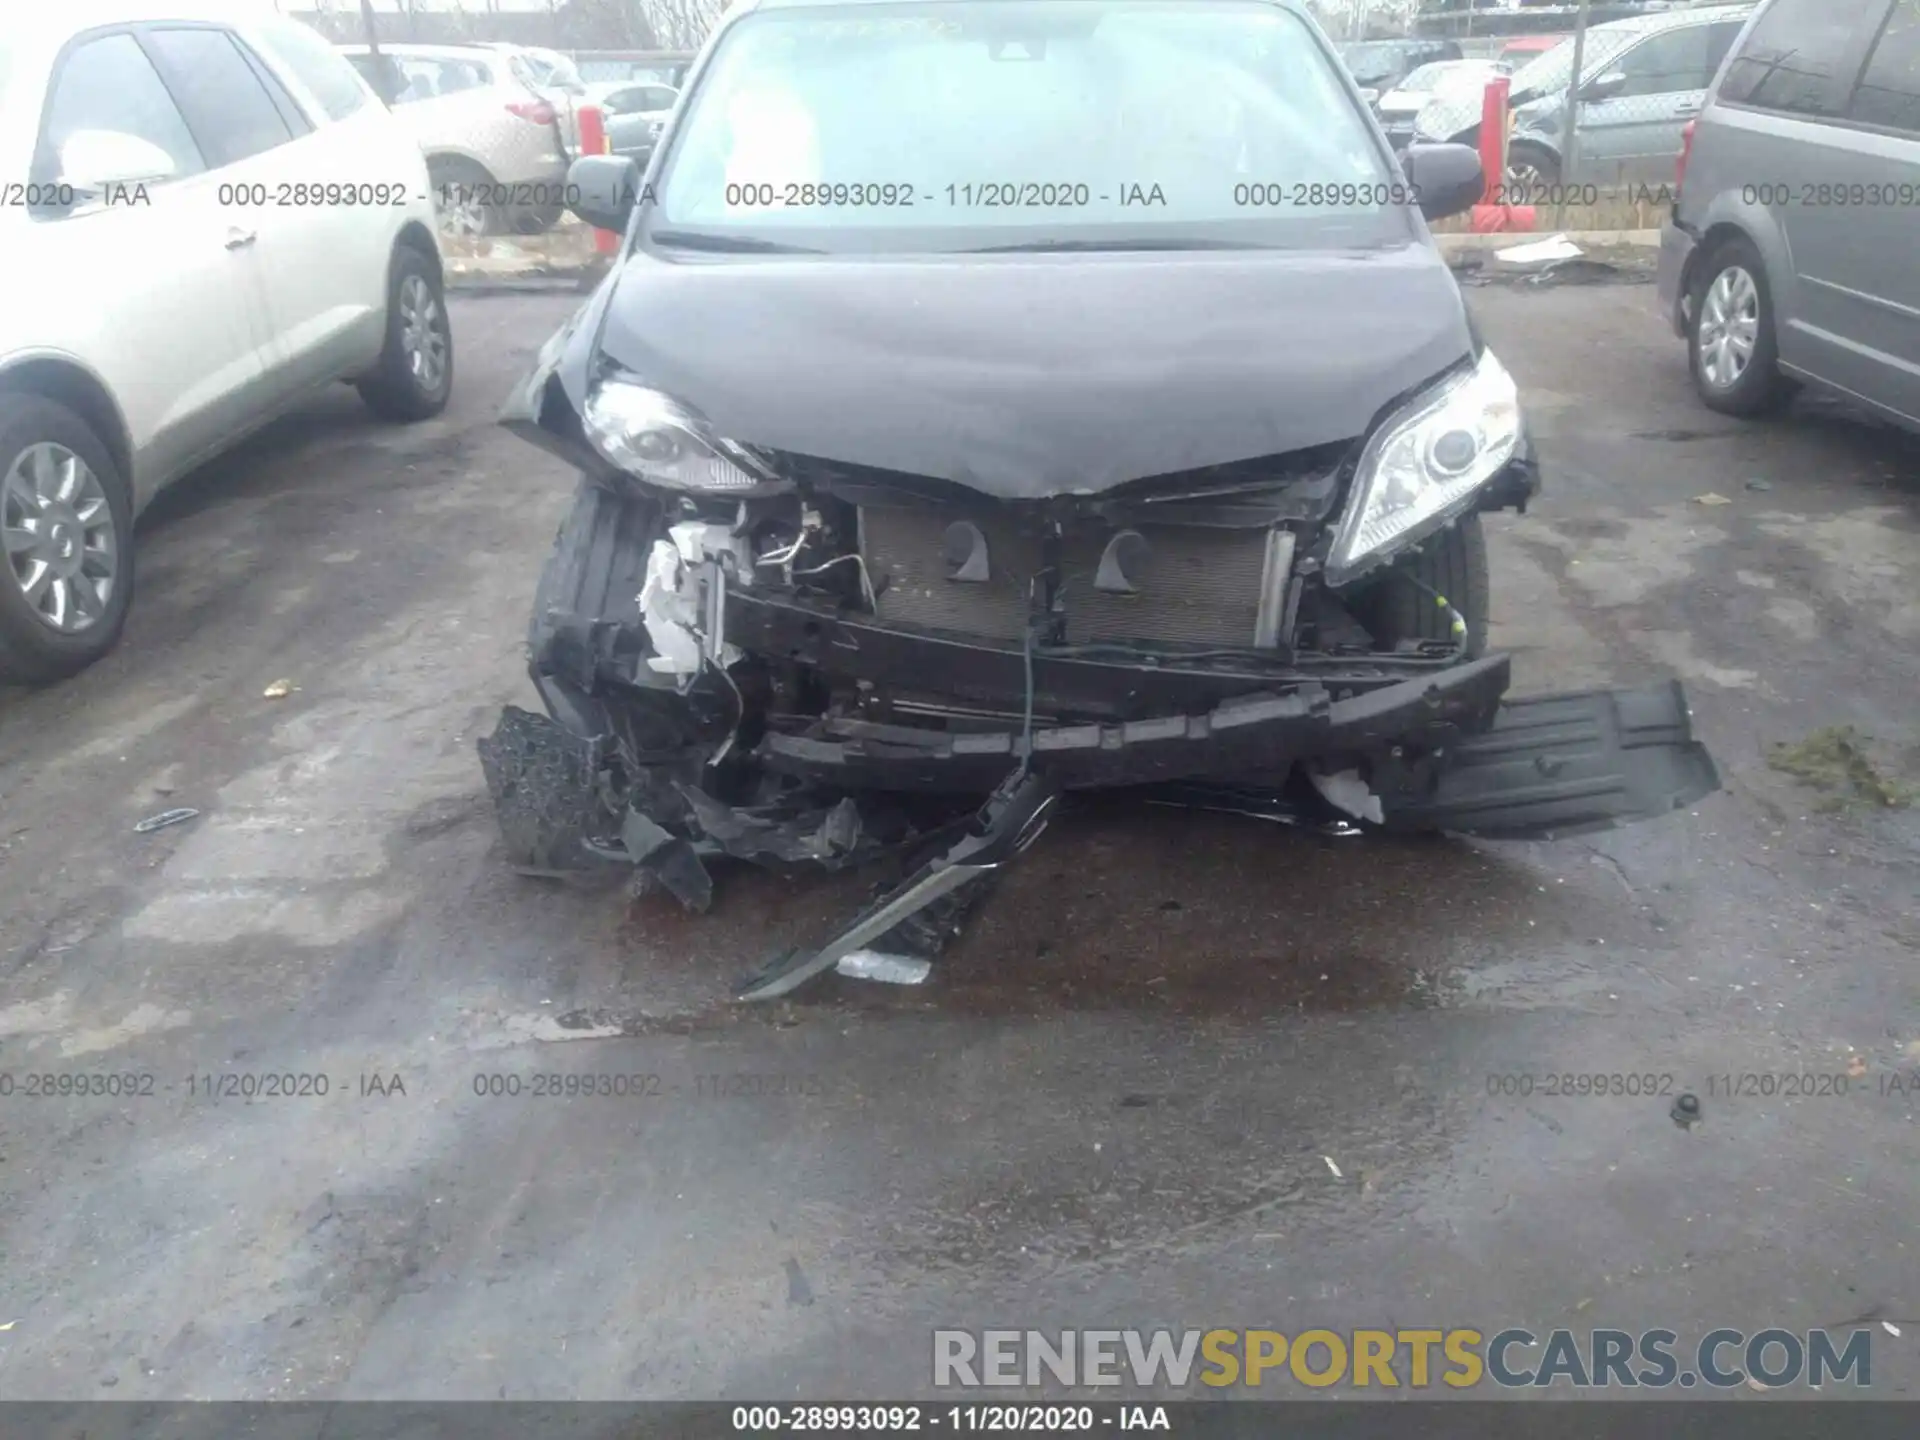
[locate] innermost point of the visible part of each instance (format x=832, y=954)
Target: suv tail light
x=538, y=111
x=1686, y=154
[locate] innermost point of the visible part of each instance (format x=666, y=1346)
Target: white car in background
x=208, y=218
x=1401, y=106
x=496, y=144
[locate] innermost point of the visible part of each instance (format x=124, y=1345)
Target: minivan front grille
x=1200, y=585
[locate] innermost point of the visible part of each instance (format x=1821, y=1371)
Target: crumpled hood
x=1029, y=375
x=1451, y=116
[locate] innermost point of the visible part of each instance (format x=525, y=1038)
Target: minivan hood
x=1027, y=375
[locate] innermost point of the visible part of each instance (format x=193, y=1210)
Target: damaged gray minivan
x=995, y=399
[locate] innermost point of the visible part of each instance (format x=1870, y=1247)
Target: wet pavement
x=1124, y=1096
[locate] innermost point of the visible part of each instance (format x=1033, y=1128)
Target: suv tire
x=66, y=530
x=1532, y=172
x=464, y=196
x=1731, y=312
x=415, y=377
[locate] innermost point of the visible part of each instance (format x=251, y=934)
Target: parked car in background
x=635, y=116
x=1791, y=254
x=495, y=145
x=1401, y=106
x=1522, y=48
x=216, y=218
x=1643, y=79
x=546, y=69
x=667, y=67
x=554, y=76
x=1379, y=65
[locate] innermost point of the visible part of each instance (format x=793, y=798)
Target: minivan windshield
x=978, y=124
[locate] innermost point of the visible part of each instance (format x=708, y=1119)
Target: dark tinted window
x=109, y=84
x=1889, y=92
x=318, y=66
x=223, y=97
x=1792, y=58
x=1720, y=38
x=1675, y=60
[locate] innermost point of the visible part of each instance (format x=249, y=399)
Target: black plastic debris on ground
x=545, y=785
x=1550, y=766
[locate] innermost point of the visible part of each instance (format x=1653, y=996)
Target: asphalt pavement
x=1183, y=1070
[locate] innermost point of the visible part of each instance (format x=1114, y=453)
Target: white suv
x=496, y=144
x=206, y=217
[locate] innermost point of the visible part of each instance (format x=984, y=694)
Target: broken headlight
x=1423, y=465
x=655, y=438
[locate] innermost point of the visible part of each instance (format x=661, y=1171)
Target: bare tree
x=681, y=24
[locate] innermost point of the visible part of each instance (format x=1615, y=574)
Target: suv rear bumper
x=1677, y=246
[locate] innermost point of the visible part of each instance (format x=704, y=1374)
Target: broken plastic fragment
x=670, y=614
x=164, y=819
x=672, y=604
x=668, y=858
x=887, y=969
x=1535, y=252
x=1348, y=793
x=831, y=837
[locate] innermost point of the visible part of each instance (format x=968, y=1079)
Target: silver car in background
x=636, y=114
x=1642, y=80
x=1793, y=252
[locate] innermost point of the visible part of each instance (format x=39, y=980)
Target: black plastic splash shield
x=1560, y=765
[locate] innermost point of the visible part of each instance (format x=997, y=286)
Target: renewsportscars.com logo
x=1395, y=1359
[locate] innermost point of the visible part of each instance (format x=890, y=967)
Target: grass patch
x=1836, y=762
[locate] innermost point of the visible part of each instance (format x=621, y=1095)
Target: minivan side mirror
x=1604, y=86
x=1448, y=178
x=605, y=190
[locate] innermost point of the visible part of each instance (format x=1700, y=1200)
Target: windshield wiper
x=1050, y=247
x=730, y=244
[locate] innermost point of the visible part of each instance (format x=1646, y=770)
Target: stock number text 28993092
x=962, y=194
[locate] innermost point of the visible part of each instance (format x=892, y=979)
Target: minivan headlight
x=1423, y=465
x=655, y=438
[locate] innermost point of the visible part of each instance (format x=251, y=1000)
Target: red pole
x=593, y=141
x=1496, y=210
x=1493, y=137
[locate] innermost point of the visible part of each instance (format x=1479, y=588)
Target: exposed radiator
x=904, y=547
x=1200, y=585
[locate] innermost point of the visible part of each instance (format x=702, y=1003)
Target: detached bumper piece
x=1558, y=765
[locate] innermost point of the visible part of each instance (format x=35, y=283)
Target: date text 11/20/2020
x=1721, y=1085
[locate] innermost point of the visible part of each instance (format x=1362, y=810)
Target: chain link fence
x=1600, y=151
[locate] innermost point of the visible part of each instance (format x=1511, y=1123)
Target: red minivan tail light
x=1686, y=154
x=538, y=111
